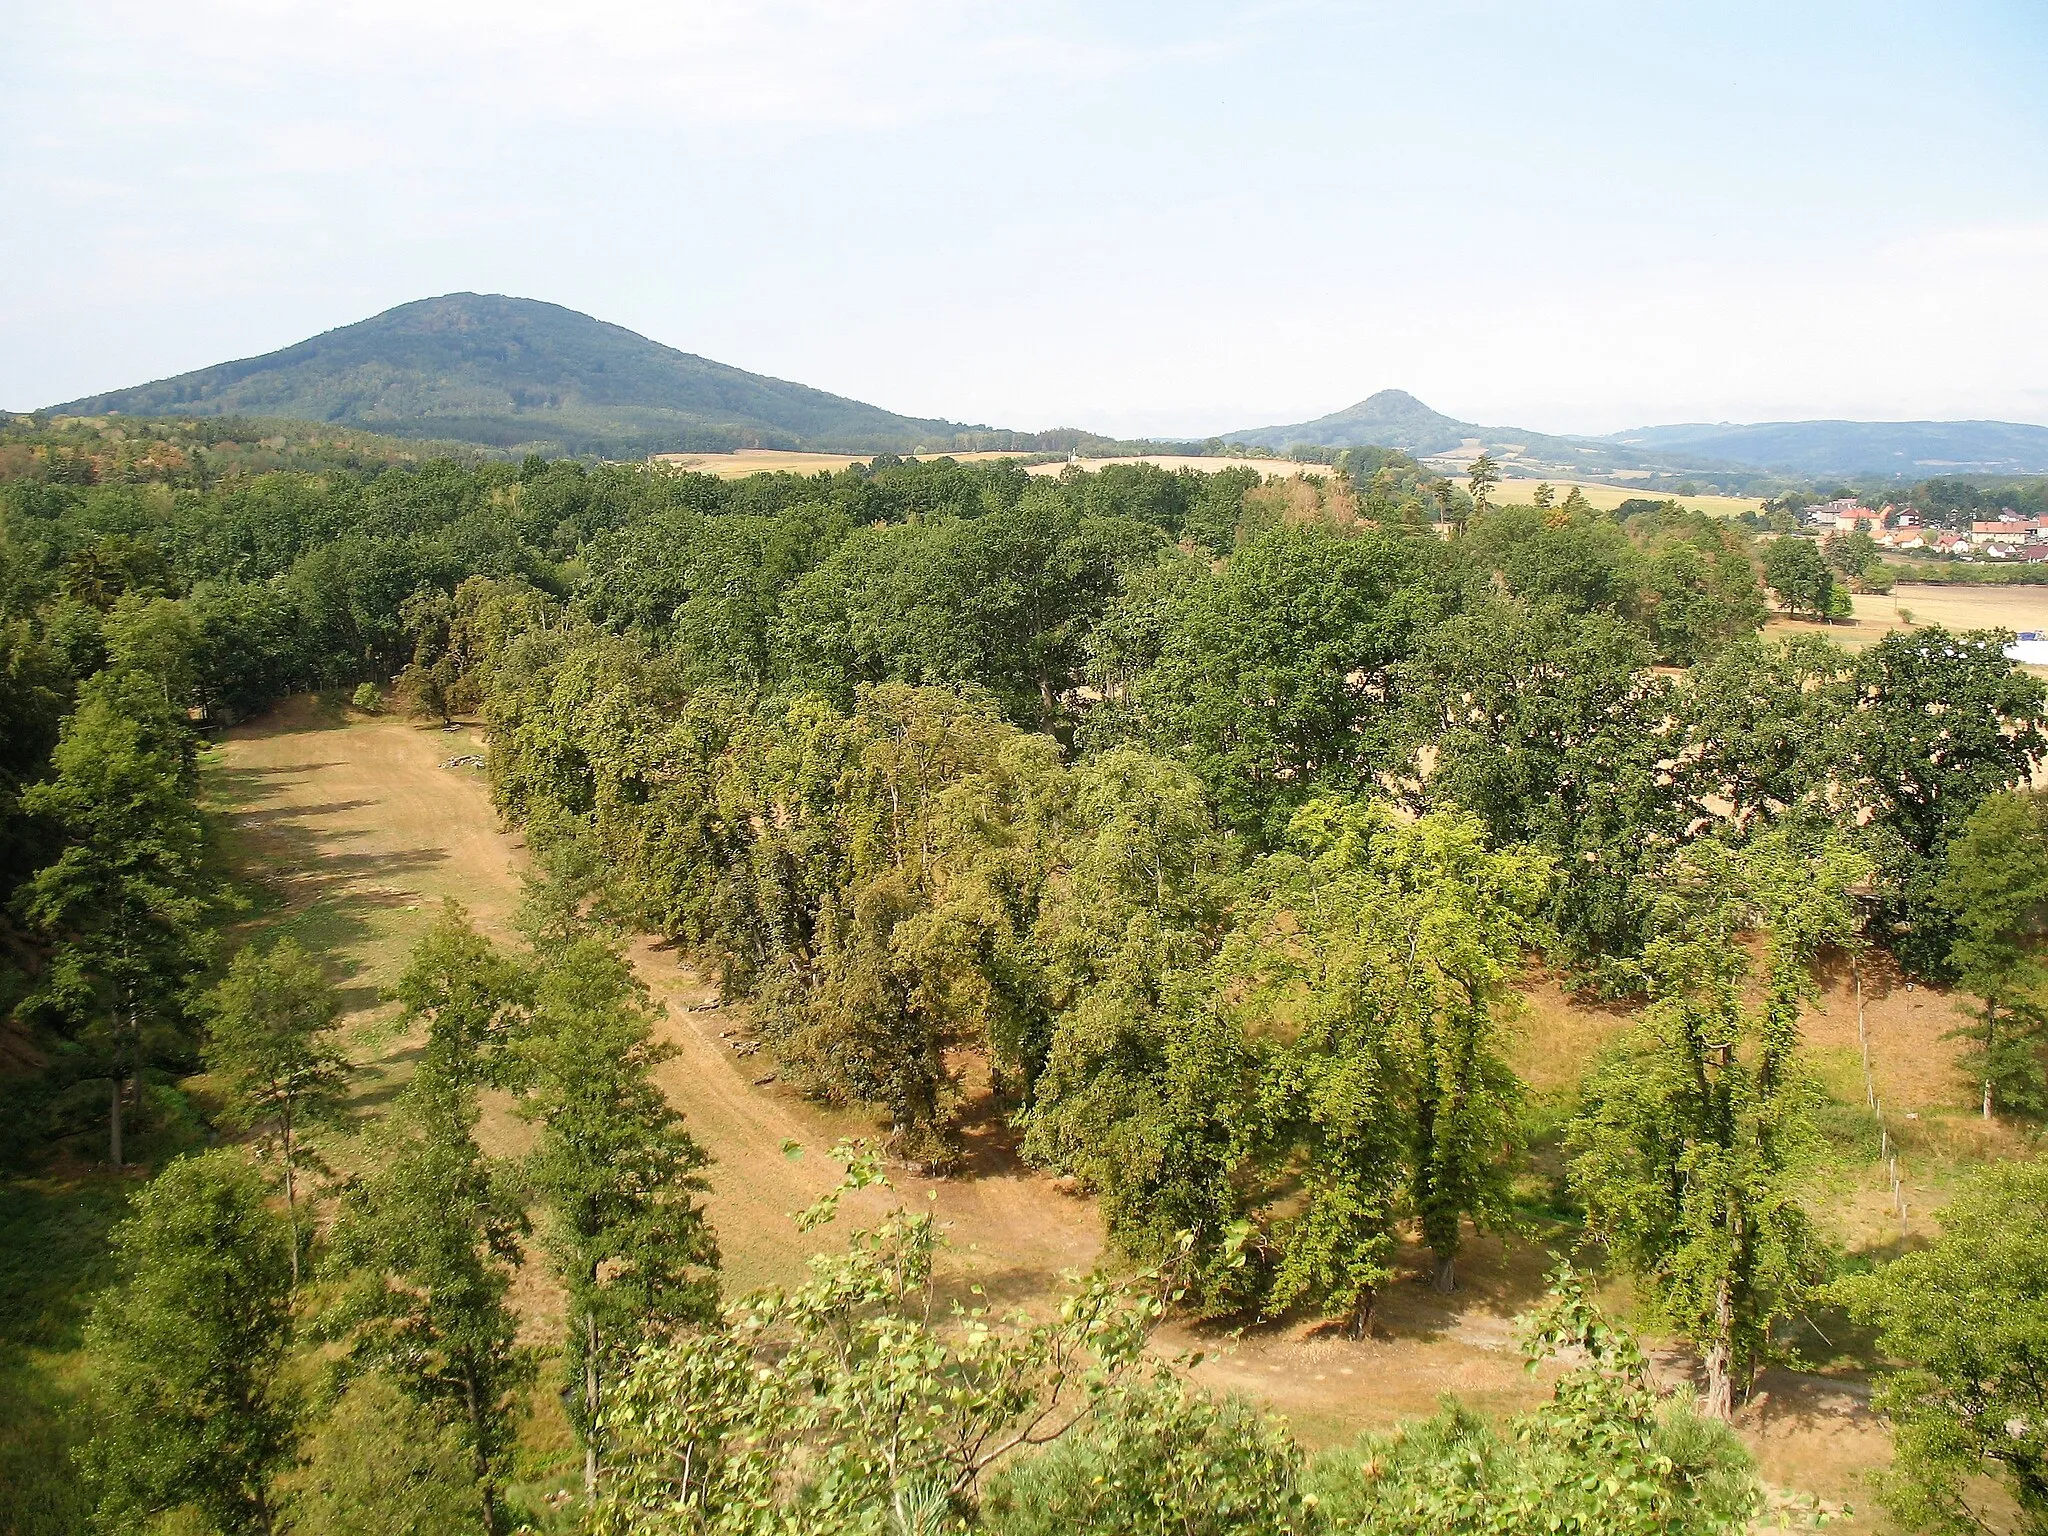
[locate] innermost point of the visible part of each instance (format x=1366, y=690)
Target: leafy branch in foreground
x=852, y=1402
x=1605, y=1455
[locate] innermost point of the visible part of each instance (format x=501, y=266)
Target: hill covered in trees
x=519, y=373
x=1896, y=450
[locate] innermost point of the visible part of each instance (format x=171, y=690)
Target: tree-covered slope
x=509, y=372
x=1393, y=418
x=1910, y=449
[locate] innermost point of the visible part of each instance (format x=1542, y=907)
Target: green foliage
x=186, y=1354
x=378, y=1464
x=1968, y=1317
x=616, y=1172
x=268, y=1026
x=1602, y=1458
x=845, y=1405
x=122, y=905
x=1554, y=731
x=466, y=995
x=1939, y=721
x=368, y=698
x=1695, y=1130
x=1382, y=954
x=1160, y=1459
x=425, y=1247
x=1996, y=886
x=1761, y=727
x=1798, y=573
x=1002, y=601
x=1269, y=678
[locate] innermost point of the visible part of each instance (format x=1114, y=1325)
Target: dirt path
x=362, y=829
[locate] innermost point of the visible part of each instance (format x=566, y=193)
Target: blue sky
x=1145, y=218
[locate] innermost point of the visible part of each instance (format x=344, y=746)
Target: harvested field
x=1913, y=605
x=1607, y=497
x=1286, y=468
x=759, y=461
x=742, y=462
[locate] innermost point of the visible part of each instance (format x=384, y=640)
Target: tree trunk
x=114, y=1122
x=1719, y=1402
x=590, y=1403
x=1361, y=1316
x=1990, y=1041
x=1444, y=1279
x=291, y=1198
x=486, y=1486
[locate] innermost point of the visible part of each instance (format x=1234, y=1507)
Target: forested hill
x=1393, y=418
x=518, y=373
x=1907, y=450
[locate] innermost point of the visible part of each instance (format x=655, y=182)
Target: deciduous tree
x=1996, y=885
x=270, y=1023
x=617, y=1173
x=186, y=1354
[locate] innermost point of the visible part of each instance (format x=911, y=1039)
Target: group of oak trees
x=1219, y=837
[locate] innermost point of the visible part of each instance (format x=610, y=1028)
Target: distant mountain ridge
x=1914, y=450
x=522, y=375
x=510, y=373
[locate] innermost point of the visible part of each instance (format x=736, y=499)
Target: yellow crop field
x=759, y=461
x=762, y=461
x=1607, y=497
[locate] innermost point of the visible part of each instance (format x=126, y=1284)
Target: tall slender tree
x=427, y=1244
x=122, y=905
x=1695, y=1132
x=271, y=1021
x=616, y=1172
x=186, y=1354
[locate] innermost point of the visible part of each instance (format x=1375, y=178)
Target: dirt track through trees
x=359, y=831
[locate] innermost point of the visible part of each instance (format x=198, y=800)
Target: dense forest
x=1211, y=820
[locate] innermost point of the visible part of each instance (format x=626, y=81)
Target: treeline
x=197, y=451
x=1218, y=818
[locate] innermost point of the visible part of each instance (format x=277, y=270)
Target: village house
x=2008, y=529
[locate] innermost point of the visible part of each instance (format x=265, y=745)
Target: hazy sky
x=1171, y=218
